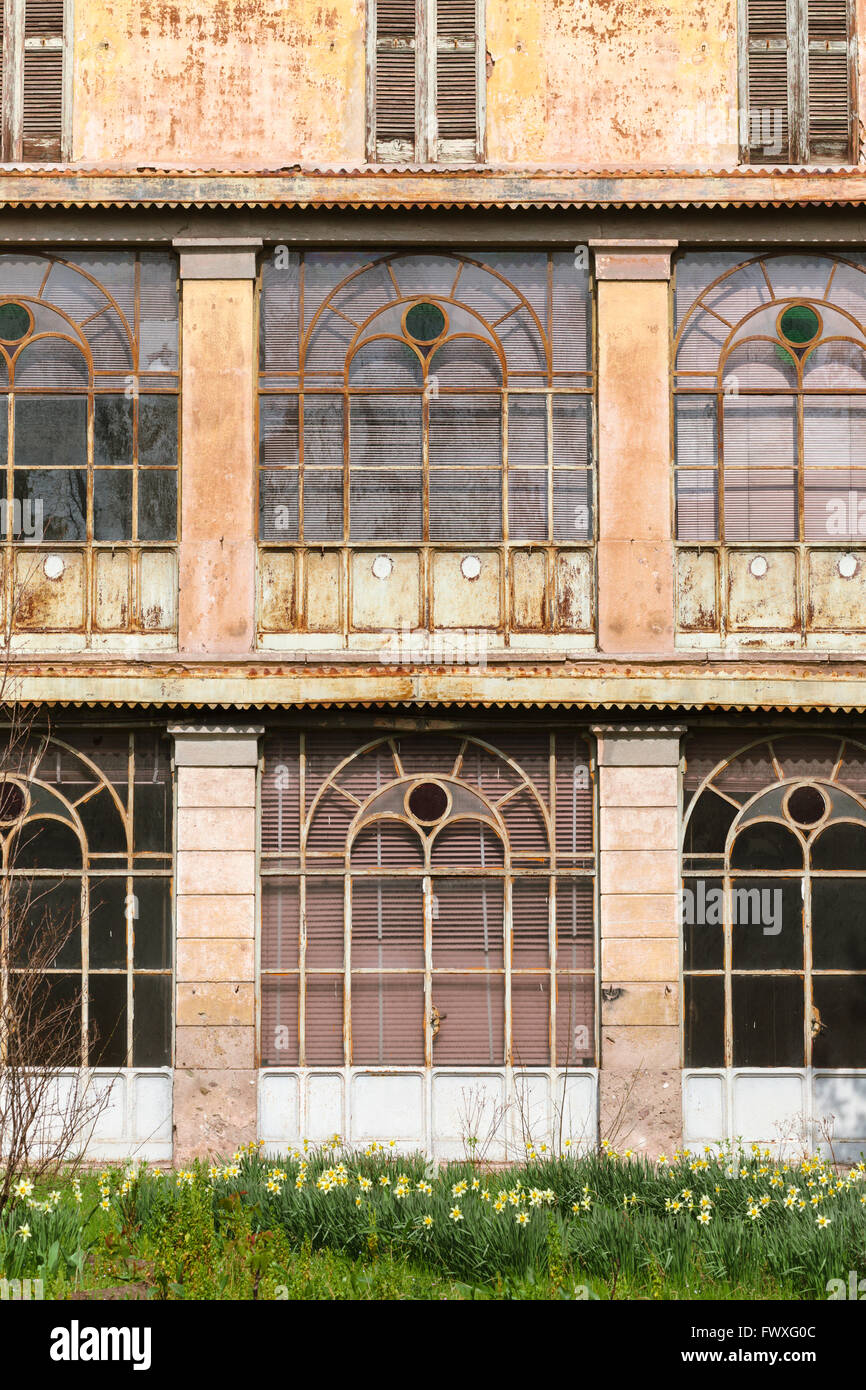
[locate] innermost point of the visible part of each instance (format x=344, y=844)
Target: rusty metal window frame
x=416, y=34
x=57, y=770
x=30, y=33
x=557, y=381
x=287, y=862
x=131, y=378
x=716, y=866
x=716, y=382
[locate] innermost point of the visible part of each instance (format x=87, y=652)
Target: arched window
x=85, y=834
x=427, y=900
x=774, y=902
x=425, y=401
x=770, y=398
x=89, y=440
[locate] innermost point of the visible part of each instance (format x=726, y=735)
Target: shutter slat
x=395, y=96
x=829, y=105
x=43, y=19
x=456, y=77
x=828, y=19
x=396, y=81
x=768, y=115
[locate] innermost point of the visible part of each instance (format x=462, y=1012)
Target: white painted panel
x=703, y=1108
x=325, y=1108
x=112, y=1124
x=532, y=1116
x=468, y=1105
x=387, y=1106
x=279, y=1112
x=151, y=1107
x=575, y=1098
x=769, y=1106
x=839, y=1108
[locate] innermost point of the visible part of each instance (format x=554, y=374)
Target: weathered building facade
x=434, y=546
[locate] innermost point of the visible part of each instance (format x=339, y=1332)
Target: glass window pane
x=324, y=1020
x=56, y=500
x=112, y=430
x=104, y=824
x=839, y=1021
x=151, y=1021
x=387, y=1019
x=704, y=1020
x=157, y=506
x=107, y=995
x=703, y=916
x=151, y=923
x=112, y=505
x=839, y=923
x=278, y=504
x=45, y=923
x=768, y=1021
x=53, y=1005
x=708, y=825
x=108, y=923
x=767, y=924
x=51, y=431
x=280, y=1021
x=530, y=1020
x=470, y=1010
x=575, y=1020
x=766, y=846
x=157, y=431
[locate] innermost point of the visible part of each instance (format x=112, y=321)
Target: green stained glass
x=425, y=322
x=14, y=322
x=800, y=324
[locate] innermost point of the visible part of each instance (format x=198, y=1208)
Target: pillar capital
x=217, y=258
x=216, y=745
x=632, y=259
x=638, y=745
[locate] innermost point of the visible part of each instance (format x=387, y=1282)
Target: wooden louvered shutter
x=42, y=108
x=769, y=70
x=33, y=79
x=395, y=65
x=829, y=66
x=459, y=82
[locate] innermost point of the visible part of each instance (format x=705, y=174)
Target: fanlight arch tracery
x=774, y=902
x=85, y=862
x=89, y=372
x=427, y=900
x=424, y=398
x=770, y=398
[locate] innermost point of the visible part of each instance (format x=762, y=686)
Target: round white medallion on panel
x=53, y=566
x=847, y=566
x=382, y=566
x=759, y=566
x=470, y=566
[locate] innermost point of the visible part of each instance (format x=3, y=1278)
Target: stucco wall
x=270, y=83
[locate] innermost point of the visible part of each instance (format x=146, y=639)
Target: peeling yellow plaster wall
x=613, y=83
x=219, y=83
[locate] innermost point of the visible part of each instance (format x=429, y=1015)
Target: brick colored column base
x=215, y=1079
x=640, y=1081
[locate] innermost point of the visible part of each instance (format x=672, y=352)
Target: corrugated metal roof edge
x=695, y=706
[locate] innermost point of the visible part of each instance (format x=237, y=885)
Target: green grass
x=377, y=1225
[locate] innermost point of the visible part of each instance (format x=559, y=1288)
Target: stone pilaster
x=215, y=1006
x=217, y=550
x=640, y=1086
x=635, y=539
